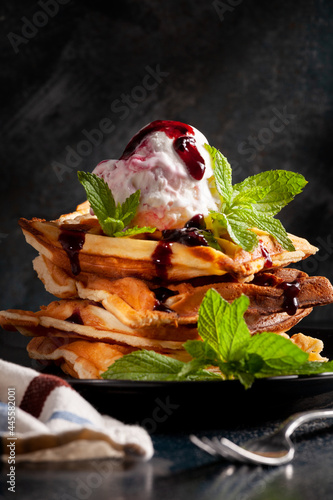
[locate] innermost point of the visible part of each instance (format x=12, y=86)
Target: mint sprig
x=150, y=365
x=112, y=217
x=252, y=203
x=226, y=344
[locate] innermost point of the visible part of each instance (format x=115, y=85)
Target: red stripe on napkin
x=37, y=392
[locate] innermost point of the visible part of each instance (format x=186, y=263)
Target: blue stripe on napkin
x=70, y=417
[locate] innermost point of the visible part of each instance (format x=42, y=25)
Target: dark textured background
x=228, y=74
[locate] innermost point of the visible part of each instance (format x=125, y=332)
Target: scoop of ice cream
x=166, y=160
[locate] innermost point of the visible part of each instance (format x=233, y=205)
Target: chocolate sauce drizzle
x=290, y=294
x=183, y=143
x=290, y=290
x=72, y=242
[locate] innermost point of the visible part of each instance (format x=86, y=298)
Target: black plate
x=192, y=405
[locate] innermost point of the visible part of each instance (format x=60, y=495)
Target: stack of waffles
x=117, y=295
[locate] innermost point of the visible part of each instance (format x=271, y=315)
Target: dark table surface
x=179, y=470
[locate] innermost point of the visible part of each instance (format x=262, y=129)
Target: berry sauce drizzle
x=187, y=150
x=290, y=294
x=162, y=258
x=265, y=279
x=189, y=236
x=162, y=294
x=266, y=255
x=72, y=242
x=197, y=221
x=184, y=144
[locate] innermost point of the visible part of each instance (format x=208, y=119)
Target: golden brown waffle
x=82, y=319
x=83, y=359
x=129, y=299
x=134, y=257
x=78, y=358
x=88, y=360
x=310, y=345
x=266, y=292
x=133, y=302
x=99, y=325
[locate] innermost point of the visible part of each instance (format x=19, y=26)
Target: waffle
x=129, y=299
x=81, y=358
x=116, y=295
x=266, y=292
x=134, y=257
x=88, y=360
x=81, y=319
x=309, y=345
x=133, y=301
x=78, y=358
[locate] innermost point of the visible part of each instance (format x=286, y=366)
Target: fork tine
x=231, y=451
x=203, y=445
x=243, y=455
x=236, y=452
x=214, y=444
x=226, y=451
x=211, y=446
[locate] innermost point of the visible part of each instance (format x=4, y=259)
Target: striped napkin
x=43, y=419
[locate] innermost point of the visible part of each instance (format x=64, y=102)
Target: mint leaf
x=200, y=349
x=132, y=231
x=246, y=379
x=311, y=368
x=209, y=237
x=268, y=224
x=253, y=363
x=144, y=365
x=150, y=365
x=112, y=218
x=228, y=345
x=278, y=353
x=195, y=370
x=271, y=190
x=253, y=203
x=233, y=332
x=99, y=195
x=222, y=173
x=223, y=327
x=111, y=226
x=203, y=356
x=238, y=230
x=250, y=197
x=129, y=207
x=211, y=312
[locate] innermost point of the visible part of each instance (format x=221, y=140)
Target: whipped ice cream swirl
x=167, y=161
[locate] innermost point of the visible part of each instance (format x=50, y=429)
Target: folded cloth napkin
x=43, y=419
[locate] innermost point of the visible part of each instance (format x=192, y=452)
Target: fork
x=275, y=449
